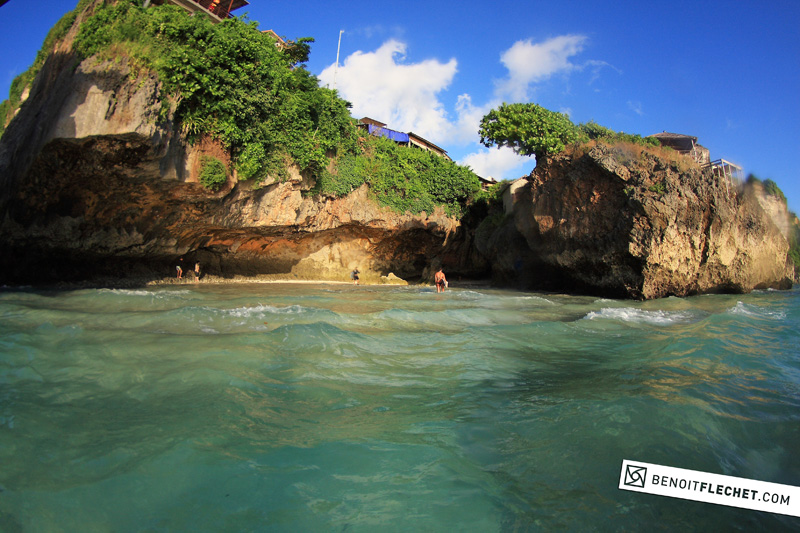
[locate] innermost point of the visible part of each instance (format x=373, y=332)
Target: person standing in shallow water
x=354, y=275
x=179, y=268
x=440, y=280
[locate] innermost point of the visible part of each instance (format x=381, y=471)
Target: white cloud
x=528, y=63
x=404, y=96
x=407, y=96
x=498, y=163
x=636, y=107
x=596, y=67
x=465, y=129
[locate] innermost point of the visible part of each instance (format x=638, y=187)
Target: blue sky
x=727, y=72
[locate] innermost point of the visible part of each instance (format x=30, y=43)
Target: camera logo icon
x=635, y=476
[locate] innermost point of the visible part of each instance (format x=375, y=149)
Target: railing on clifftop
x=727, y=171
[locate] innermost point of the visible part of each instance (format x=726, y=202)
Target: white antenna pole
x=336, y=68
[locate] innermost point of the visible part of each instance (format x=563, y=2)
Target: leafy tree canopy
x=532, y=129
x=528, y=129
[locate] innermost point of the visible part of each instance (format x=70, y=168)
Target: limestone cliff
x=628, y=222
x=98, y=206
x=94, y=184
x=774, y=206
x=96, y=181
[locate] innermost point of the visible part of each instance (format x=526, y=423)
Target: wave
x=260, y=310
x=148, y=293
x=757, y=311
x=450, y=319
x=640, y=316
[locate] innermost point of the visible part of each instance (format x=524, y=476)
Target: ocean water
x=296, y=407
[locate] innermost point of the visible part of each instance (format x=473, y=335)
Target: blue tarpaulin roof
x=396, y=136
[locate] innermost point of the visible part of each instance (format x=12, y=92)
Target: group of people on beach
x=439, y=278
x=179, y=269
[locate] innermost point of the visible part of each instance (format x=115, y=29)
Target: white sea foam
x=145, y=292
x=757, y=311
x=630, y=314
x=467, y=295
x=243, y=312
x=127, y=292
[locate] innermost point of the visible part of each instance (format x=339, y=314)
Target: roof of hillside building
x=376, y=127
x=429, y=145
x=678, y=136
x=679, y=141
x=218, y=8
x=380, y=131
x=279, y=42
x=367, y=120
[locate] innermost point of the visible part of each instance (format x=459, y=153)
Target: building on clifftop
x=218, y=10
x=685, y=144
x=409, y=139
x=731, y=173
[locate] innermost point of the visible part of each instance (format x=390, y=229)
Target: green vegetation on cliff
x=213, y=174
x=527, y=128
x=405, y=179
x=533, y=130
x=592, y=131
x=231, y=82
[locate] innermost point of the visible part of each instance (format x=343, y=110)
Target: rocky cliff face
x=99, y=206
x=626, y=222
x=775, y=207
x=92, y=184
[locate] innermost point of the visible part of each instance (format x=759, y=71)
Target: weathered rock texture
x=93, y=183
x=775, y=207
x=626, y=222
x=99, y=206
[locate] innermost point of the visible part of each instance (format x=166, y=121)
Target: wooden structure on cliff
x=218, y=10
x=726, y=169
x=685, y=144
x=729, y=172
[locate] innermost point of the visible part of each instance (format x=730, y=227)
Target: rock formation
x=99, y=206
x=775, y=207
x=94, y=184
x=628, y=222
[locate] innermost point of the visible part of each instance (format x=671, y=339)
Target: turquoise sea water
x=288, y=407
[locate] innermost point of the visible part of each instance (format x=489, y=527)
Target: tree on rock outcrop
x=528, y=129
